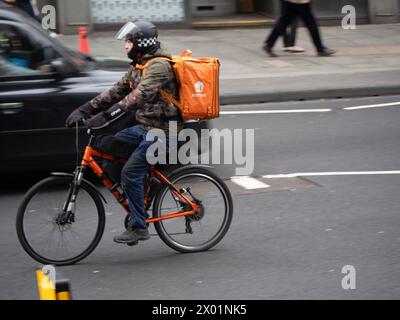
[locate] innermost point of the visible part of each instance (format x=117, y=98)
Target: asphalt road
x=290, y=237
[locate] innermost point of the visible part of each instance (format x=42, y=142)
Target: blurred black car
x=41, y=83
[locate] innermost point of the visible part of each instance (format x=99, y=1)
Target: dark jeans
x=289, y=36
x=134, y=173
x=289, y=12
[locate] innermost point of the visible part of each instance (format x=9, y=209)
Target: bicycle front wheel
x=44, y=237
x=203, y=230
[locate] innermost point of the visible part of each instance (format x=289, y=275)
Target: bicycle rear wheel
x=44, y=237
x=203, y=230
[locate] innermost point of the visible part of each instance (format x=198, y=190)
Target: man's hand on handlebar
x=104, y=118
x=82, y=122
x=98, y=120
x=88, y=116
x=82, y=113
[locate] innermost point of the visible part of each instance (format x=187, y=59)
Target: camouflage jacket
x=142, y=93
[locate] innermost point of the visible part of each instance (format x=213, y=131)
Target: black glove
x=83, y=112
x=97, y=121
x=105, y=117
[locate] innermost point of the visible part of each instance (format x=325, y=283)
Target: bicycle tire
x=51, y=182
x=166, y=237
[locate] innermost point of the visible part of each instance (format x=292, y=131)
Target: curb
x=223, y=24
x=336, y=93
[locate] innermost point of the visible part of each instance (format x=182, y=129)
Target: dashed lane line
x=249, y=183
x=369, y=106
x=343, y=173
x=287, y=182
x=273, y=111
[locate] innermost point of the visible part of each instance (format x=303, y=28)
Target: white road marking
x=311, y=174
x=381, y=105
x=275, y=111
x=249, y=183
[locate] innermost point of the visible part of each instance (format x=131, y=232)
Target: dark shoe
x=326, y=52
x=269, y=51
x=131, y=236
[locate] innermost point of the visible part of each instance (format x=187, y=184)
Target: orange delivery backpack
x=198, y=84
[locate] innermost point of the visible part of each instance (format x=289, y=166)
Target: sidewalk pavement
x=367, y=61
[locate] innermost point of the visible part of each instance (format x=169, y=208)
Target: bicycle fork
x=68, y=212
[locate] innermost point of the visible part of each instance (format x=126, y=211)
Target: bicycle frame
x=89, y=162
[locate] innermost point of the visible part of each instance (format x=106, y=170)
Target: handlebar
x=82, y=123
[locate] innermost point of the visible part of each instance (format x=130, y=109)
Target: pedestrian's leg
x=293, y=32
x=287, y=16
x=290, y=38
x=286, y=37
x=311, y=24
x=286, y=34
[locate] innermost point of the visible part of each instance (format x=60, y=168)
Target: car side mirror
x=59, y=66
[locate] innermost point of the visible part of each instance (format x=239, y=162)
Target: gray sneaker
x=131, y=236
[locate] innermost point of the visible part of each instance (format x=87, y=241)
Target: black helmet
x=142, y=33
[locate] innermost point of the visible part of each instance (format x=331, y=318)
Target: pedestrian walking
x=290, y=10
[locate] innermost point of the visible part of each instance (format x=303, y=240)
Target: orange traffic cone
x=83, y=41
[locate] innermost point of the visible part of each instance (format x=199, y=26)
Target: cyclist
x=140, y=93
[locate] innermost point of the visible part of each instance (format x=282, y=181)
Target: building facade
x=108, y=14
x=118, y=11
x=368, y=11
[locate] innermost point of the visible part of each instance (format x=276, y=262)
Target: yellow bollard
x=62, y=290
x=48, y=290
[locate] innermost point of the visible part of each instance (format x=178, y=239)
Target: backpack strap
x=143, y=67
x=164, y=93
x=170, y=98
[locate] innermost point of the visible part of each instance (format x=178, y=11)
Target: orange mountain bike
x=61, y=219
